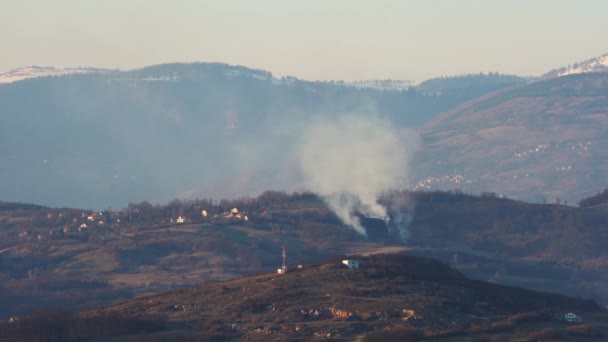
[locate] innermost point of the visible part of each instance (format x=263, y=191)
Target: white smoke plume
x=350, y=161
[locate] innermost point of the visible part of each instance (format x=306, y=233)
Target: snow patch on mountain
x=34, y=71
x=597, y=64
x=385, y=85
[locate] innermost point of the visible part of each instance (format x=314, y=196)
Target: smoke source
x=350, y=161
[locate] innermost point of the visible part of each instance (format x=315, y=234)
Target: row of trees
x=597, y=199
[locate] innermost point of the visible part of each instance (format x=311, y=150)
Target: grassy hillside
x=46, y=258
x=542, y=142
x=391, y=297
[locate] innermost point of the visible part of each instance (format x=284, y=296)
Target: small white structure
x=204, y=213
x=179, y=219
x=352, y=264
x=573, y=318
x=234, y=211
x=83, y=226
x=280, y=271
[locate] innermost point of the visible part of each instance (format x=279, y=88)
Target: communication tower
x=284, y=255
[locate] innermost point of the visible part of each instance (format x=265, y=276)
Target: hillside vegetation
x=542, y=142
x=47, y=257
x=394, y=297
x=105, y=139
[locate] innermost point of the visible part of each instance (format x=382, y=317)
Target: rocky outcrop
x=404, y=314
x=325, y=313
x=336, y=313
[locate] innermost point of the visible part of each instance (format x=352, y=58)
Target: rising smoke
x=351, y=161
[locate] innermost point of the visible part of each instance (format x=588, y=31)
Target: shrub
x=403, y=334
x=544, y=334
x=584, y=330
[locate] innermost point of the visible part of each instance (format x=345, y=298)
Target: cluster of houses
x=62, y=225
x=232, y=215
x=352, y=264
x=71, y=224
x=431, y=182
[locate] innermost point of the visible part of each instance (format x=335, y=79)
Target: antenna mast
x=284, y=254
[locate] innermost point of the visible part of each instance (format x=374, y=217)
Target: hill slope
x=539, y=142
x=389, y=291
x=47, y=257
x=109, y=138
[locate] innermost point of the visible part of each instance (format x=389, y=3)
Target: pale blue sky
x=312, y=39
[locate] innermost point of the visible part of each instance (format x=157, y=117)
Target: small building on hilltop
x=350, y=263
x=573, y=318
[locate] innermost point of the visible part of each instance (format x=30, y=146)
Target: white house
x=352, y=264
x=204, y=213
x=180, y=219
x=573, y=318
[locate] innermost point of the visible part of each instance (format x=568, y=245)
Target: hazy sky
x=310, y=39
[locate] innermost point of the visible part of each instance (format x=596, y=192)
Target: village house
x=180, y=219
x=352, y=264
x=573, y=318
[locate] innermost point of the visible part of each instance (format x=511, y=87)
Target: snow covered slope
x=41, y=71
x=597, y=64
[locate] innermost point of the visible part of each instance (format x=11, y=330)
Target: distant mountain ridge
x=100, y=139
